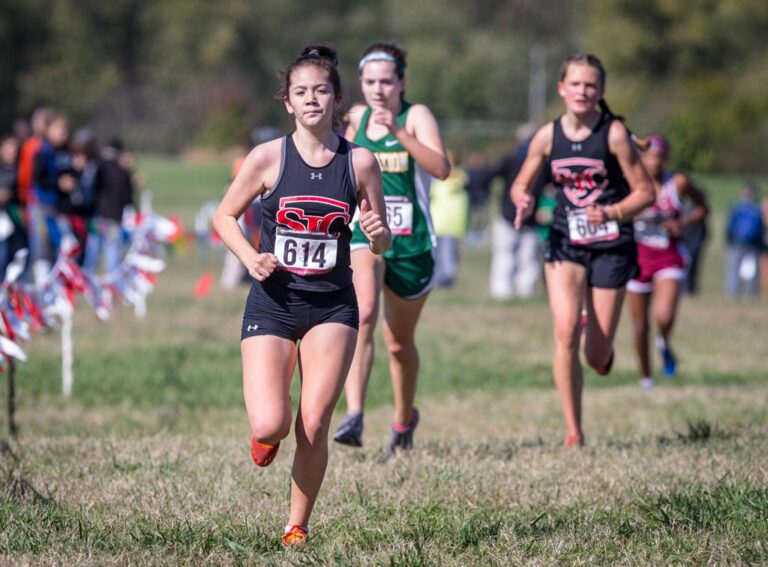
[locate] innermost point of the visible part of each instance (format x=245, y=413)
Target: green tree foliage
x=19, y=34
x=173, y=73
x=694, y=69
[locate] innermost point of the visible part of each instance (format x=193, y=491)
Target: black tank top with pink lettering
x=586, y=173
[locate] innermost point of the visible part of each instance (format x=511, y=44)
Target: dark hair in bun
x=323, y=51
x=320, y=55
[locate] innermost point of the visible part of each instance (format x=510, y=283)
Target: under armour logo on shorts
x=316, y=176
x=252, y=328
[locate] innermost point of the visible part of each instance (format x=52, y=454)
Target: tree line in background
x=169, y=74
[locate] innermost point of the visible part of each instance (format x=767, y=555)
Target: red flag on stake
x=204, y=284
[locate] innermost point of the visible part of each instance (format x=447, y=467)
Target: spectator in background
x=479, y=190
x=744, y=243
x=516, y=257
x=449, y=207
x=41, y=120
x=113, y=191
x=77, y=185
x=10, y=219
x=693, y=242
x=22, y=130
x=233, y=273
x=44, y=233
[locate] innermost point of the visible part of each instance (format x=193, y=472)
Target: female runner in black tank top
x=301, y=271
x=591, y=253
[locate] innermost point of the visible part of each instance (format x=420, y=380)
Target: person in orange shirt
x=41, y=119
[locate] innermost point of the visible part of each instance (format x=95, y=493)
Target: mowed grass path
x=148, y=462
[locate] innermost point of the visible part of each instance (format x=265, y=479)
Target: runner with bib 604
x=591, y=255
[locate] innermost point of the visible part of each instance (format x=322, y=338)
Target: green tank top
x=406, y=191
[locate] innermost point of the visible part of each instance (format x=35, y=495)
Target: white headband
x=377, y=56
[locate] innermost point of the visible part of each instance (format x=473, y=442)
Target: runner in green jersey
x=406, y=141
x=406, y=188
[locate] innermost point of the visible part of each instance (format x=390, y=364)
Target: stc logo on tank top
x=583, y=180
x=294, y=213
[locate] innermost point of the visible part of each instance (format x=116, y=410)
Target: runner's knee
x=312, y=431
x=401, y=348
x=270, y=428
x=368, y=314
x=664, y=320
x=641, y=328
x=567, y=336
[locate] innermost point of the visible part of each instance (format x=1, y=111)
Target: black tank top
x=586, y=173
x=306, y=221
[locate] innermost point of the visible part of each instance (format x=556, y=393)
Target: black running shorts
x=610, y=268
x=290, y=314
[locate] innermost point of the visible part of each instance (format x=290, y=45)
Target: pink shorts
x=656, y=264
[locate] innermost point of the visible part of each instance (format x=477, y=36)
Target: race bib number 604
x=305, y=253
x=581, y=231
x=399, y=215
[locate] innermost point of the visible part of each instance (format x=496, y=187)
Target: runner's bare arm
x=421, y=137
x=642, y=193
x=373, y=210
x=520, y=190
x=354, y=115
x=688, y=190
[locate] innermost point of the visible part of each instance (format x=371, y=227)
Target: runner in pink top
x=662, y=266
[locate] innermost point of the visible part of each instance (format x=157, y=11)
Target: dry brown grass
x=492, y=454
x=674, y=475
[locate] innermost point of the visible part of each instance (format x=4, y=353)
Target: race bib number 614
x=305, y=253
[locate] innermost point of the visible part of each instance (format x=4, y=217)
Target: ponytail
x=603, y=105
x=641, y=144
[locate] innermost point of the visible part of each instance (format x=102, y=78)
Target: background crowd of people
x=54, y=184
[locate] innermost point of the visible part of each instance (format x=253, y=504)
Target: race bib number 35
x=582, y=232
x=399, y=215
x=305, y=253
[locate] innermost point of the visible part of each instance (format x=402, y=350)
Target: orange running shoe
x=295, y=535
x=263, y=454
x=576, y=440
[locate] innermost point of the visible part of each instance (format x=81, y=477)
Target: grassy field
x=147, y=463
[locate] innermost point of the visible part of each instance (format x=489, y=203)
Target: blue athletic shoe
x=667, y=357
x=402, y=437
x=350, y=432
